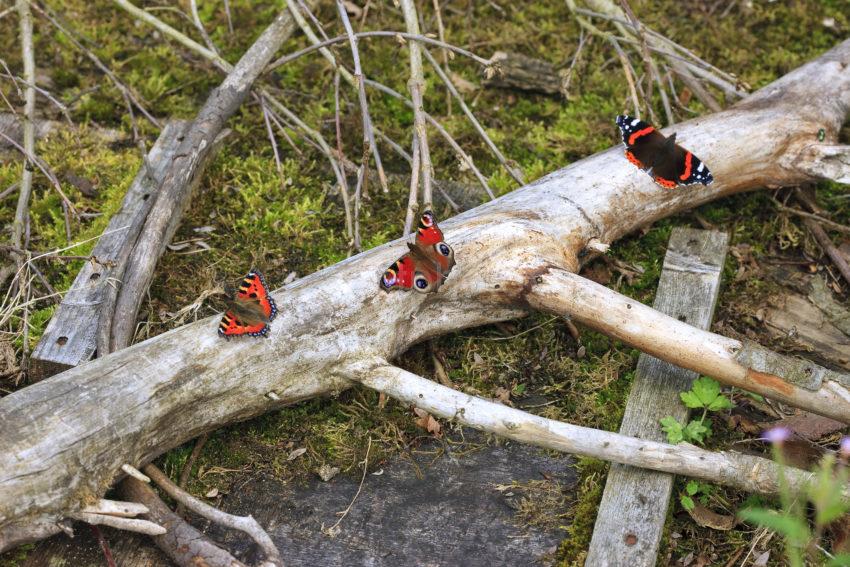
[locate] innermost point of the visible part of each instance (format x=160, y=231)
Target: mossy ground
x=284, y=222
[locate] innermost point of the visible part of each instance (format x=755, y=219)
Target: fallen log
x=65, y=439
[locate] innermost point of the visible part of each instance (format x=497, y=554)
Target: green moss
x=573, y=550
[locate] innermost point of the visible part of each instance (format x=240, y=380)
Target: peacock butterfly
x=427, y=264
x=249, y=310
x=668, y=163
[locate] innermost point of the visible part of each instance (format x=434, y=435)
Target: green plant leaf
x=673, y=429
x=706, y=390
x=692, y=487
x=687, y=502
x=795, y=530
x=721, y=402
x=691, y=400
x=696, y=431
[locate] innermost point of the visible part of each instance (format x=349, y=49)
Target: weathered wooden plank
x=71, y=335
x=634, y=504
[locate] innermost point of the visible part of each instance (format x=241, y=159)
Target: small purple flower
x=844, y=447
x=777, y=435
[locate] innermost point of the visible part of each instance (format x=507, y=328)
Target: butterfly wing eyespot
x=421, y=283
x=389, y=279
x=428, y=232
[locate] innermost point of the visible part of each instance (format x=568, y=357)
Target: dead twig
x=441, y=33
x=245, y=524
x=512, y=171
x=321, y=45
x=828, y=247
x=370, y=147
x=28, y=149
x=416, y=86
x=334, y=529
x=463, y=157
x=817, y=218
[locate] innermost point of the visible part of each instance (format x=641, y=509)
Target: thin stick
x=568, y=76
x=462, y=155
x=169, y=31
x=134, y=472
x=128, y=524
x=334, y=529
x=227, y=16
x=187, y=468
x=513, y=172
x=116, y=508
x=825, y=222
x=104, y=545
x=644, y=51
x=45, y=169
x=270, y=132
x=413, y=195
x=196, y=18
x=441, y=33
x=245, y=524
x=627, y=71
x=22, y=211
x=827, y=246
x=361, y=35
x=416, y=86
x=368, y=135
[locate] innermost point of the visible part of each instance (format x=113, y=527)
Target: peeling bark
x=66, y=438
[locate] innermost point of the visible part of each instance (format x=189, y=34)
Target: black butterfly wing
x=680, y=167
x=643, y=142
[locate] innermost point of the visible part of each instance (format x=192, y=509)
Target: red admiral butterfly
x=668, y=163
x=249, y=310
x=427, y=264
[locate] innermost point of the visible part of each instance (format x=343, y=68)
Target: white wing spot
x=635, y=122
x=701, y=167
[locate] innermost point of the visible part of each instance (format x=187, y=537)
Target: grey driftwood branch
x=66, y=438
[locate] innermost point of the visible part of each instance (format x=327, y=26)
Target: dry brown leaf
x=710, y=519
x=427, y=422
x=503, y=395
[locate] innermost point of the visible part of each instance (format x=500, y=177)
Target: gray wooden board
x=71, y=335
x=635, y=501
x=452, y=515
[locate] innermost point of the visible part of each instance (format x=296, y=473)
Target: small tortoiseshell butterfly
x=427, y=264
x=668, y=163
x=249, y=310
